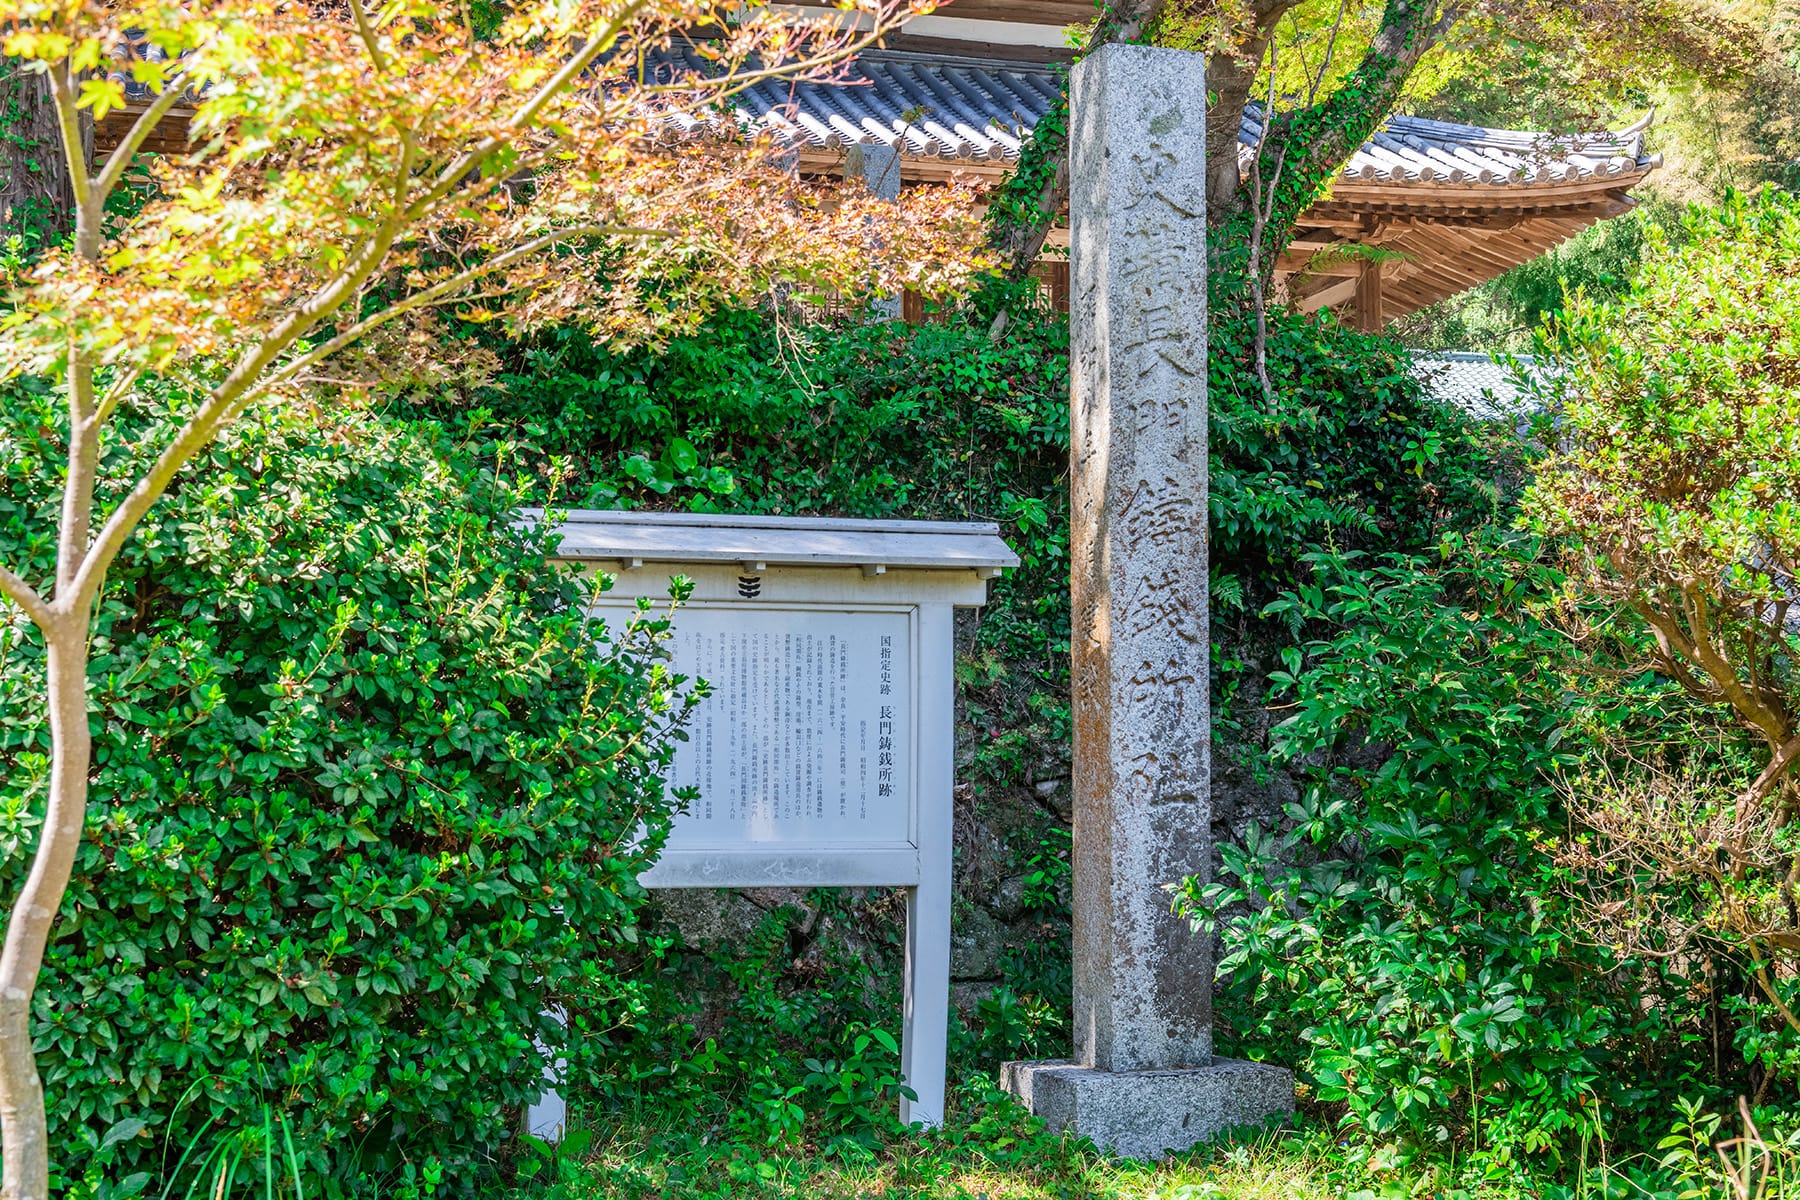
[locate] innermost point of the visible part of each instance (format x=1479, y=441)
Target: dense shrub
x=369, y=795
x=1409, y=928
x=1675, y=483
x=885, y=419
x=758, y=415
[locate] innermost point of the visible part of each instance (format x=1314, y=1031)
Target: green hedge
x=937, y=421
x=368, y=796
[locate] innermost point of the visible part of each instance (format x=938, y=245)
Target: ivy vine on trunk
x=1302, y=150
x=37, y=193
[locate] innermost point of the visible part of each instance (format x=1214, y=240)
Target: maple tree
x=353, y=172
x=1672, y=487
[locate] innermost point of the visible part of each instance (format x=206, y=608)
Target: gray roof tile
x=1484, y=387
x=979, y=112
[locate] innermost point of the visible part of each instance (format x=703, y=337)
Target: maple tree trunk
x=24, y=1135
x=37, y=195
x=24, y=1125
x=63, y=622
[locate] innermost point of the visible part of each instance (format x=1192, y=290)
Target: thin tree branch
x=244, y=386
x=579, y=62
x=68, y=122
x=443, y=291
x=735, y=82
x=1768, y=988
x=27, y=598
x=1262, y=213
x=76, y=520
x=1783, y=759
x=367, y=32
x=115, y=394
x=230, y=398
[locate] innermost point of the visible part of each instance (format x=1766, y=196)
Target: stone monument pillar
x=877, y=165
x=1143, y=1080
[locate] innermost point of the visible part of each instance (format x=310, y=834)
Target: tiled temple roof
x=981, y=113
x=1453, y=205
x=937, y=108
x=1485, y=387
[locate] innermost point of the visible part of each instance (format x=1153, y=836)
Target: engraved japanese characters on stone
x=1163, y=218
x=1155, y=275
x=1162, y=512
x=1158, y=172
x=1138, y=513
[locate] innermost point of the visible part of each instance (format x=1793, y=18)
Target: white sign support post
x=824, y=756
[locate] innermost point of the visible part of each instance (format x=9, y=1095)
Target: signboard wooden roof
x=592, y=535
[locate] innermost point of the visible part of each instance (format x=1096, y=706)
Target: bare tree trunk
x=1231, y=76
x=24, y=1135
x=37, y=194
x=1020, y=240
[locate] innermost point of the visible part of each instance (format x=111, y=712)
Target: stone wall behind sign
x=1007, y=930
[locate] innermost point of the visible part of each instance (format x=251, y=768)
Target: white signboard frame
x=826, y=579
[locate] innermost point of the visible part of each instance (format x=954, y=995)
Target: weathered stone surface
x=1143, y=1080
x=877, y=165
x=1147, y=1114
x=976, y=943
x=711, y=916
x=1008, y=900
x=966, y=998
x=1143, y=813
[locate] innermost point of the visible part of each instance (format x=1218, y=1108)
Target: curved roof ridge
x=945, y=108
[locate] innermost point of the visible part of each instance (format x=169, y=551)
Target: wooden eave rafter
x=169, y=137
x=1429, y=263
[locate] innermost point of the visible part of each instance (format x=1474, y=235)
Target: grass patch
x=990, y=1149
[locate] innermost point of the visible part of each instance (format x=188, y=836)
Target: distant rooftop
x=934, y=107
x=1452, y=206
x=1478, y=384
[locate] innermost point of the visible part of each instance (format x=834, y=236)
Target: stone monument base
x=1147, y=1114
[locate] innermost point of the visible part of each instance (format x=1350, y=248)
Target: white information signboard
x=823, y=756
x=807, y=739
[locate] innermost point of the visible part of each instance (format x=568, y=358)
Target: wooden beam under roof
x=1436, y=262
x=989, y=51
x=1369, y=315
x=1023, y=12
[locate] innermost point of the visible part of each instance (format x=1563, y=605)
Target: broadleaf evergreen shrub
x=758, y=415
x=1409, y=928
x=371, y=794
x=883, y=419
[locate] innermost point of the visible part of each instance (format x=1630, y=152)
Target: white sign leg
x=928, y=905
